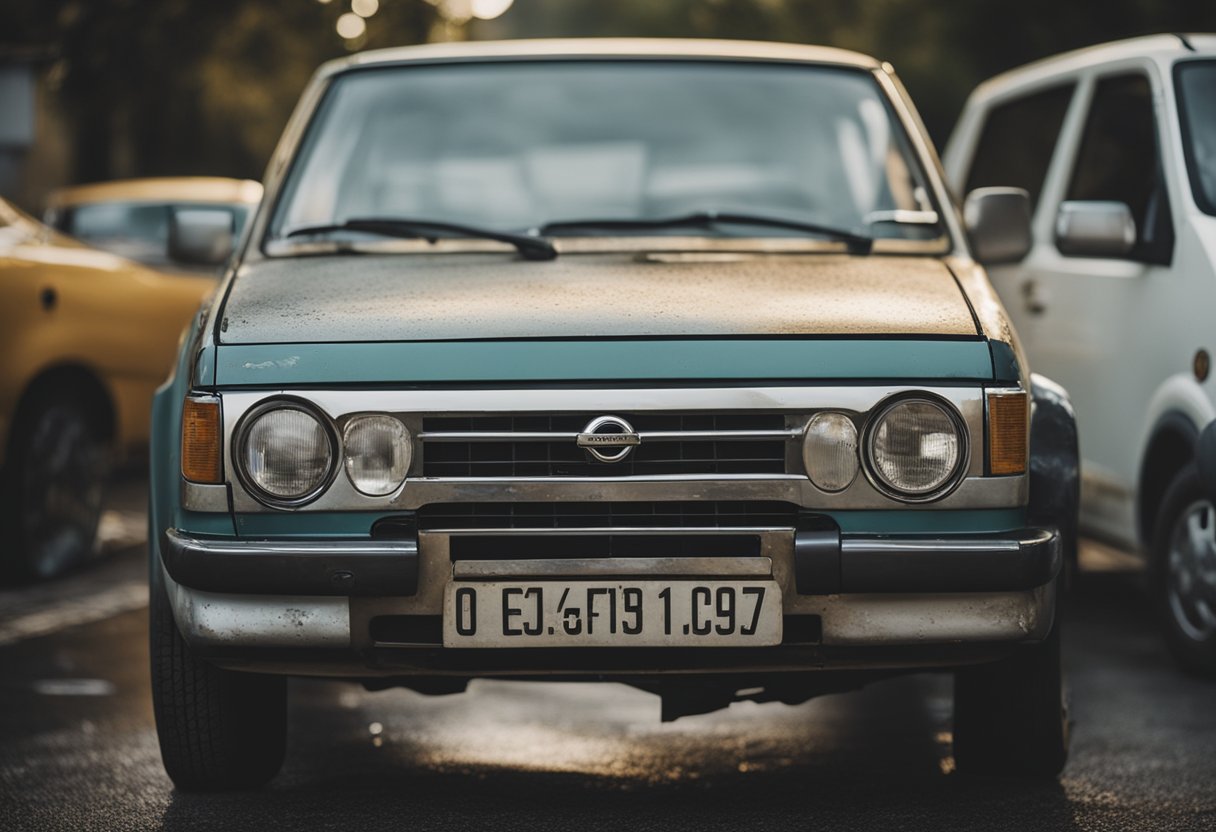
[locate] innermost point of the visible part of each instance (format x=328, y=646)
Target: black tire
x=1011, y=716
x=1183, y=573
x=218, y=729
x=56, y=467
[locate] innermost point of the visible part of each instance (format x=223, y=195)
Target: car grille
x=672, y=444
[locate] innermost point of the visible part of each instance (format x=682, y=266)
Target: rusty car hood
x=447, y=297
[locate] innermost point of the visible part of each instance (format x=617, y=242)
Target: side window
x=1119, y=160
x=1018, y=140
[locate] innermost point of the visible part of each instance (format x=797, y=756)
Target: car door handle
x=1033, y=297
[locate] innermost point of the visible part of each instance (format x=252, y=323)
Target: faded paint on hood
x=491, y=296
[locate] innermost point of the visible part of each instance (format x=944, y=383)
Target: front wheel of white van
x=1184, y=573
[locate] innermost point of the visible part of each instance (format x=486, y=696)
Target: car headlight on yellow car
x=286, y=453
x=915, y=449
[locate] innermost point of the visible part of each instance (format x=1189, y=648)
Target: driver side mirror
x=202, y=236
x=998, y=222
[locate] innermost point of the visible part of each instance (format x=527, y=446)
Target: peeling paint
x=280, y=363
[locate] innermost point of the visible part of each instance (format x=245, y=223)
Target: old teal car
x=661, y=362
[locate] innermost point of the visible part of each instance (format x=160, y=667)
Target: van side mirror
x=1095, y=229
x=202, y=236
x=998, y=222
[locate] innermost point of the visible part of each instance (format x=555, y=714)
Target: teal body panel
x=741, y=359
x=922, y=520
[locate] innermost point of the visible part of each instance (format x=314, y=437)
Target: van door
x=1094, y=323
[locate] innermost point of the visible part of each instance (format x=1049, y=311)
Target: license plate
x=612, y=614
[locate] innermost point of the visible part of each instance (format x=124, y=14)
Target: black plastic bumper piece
x=825, y=563
x=304, y=567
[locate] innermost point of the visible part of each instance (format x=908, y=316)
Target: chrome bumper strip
x=583, y=568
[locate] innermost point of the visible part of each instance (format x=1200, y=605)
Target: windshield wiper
x=531, y=247
x=857, y=243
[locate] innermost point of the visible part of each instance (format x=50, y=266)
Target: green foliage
x=205, y=86
x=176, y=87
x=941, y=48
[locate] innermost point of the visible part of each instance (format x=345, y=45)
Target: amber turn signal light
x=1007, y=429
x=201, y=440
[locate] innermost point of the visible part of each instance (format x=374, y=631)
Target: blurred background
x=100, y=90
x=80, y=80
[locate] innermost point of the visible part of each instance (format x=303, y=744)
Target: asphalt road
x=78, y=748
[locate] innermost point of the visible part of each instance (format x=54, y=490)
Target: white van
x=1116, y=147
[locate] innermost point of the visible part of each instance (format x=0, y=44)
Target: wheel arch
x=1170, y=448
x=1055, y=464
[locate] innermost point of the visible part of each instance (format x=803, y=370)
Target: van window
x=1196, y=83
x=1119, y=160
x=1018, y=140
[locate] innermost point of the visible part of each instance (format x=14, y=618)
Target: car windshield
x=521, y=147
x=136, y=230
x=1196, y=82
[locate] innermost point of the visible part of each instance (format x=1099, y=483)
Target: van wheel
x=1184, y=573
x=218, y=729
x=56, y=468
x=1011, y=716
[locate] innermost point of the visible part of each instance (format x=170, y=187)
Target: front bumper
x=316, y=607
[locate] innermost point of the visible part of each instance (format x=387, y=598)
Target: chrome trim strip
x=222, y=546
x=601, y=530
x=912, y=545
x=721, y=435
x=648, y=478
x=583, y=568
x=973, y=493
x=197, y=496
x=643, y=436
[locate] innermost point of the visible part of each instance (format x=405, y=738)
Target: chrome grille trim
x=645, y=436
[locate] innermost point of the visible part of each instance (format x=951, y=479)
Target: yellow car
x=86, y=336
x=132, y=218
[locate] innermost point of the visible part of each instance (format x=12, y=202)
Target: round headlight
x=378, y=452
x=916, y=448
x=829, y=451
x=286, y=454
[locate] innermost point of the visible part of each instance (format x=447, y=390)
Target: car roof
x=1150, y=46
x=602, y=48
x=160, y=189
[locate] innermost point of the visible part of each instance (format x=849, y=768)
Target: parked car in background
x=1116, y=146
x=86, y=337
x=663, y=362
x=132, y=217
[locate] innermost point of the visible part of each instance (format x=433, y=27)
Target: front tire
x=218, y=729
x=1011, y=716
x=1184, y=573
x=51, y=494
